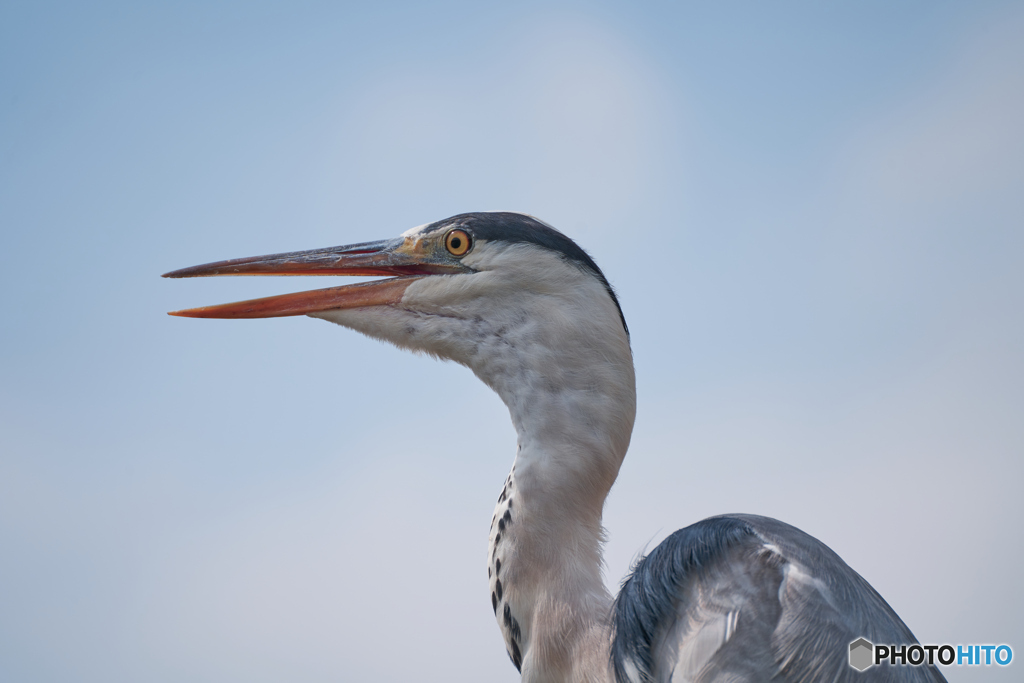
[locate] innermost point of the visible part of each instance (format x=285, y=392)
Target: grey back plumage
x=748, y=598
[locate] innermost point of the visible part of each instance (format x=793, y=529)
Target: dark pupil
x=456, y=243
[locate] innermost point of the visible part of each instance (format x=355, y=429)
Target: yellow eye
x=457, y=242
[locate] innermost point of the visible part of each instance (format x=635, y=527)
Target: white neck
x=549, y=339
x=546, y=535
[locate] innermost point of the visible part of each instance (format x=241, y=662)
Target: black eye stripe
x=503, y=226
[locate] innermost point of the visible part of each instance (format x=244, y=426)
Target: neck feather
x=545, y=552
x=549, y=339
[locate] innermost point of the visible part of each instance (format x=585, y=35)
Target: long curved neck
x=544, y=557
x=549, y=339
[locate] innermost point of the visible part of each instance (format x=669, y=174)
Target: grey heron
x=730, y=598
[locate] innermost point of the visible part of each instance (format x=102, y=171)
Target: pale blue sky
x=813, y=216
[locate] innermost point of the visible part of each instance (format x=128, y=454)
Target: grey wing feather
x=742, y=598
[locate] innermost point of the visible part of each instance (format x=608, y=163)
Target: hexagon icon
x=861, y=651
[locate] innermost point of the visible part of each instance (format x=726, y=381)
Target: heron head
x=510, y=297
x=465, y=288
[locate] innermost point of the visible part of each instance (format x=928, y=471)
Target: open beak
x=404, y=258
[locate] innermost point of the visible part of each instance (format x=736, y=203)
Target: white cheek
x=434, y=335
x=380, y=322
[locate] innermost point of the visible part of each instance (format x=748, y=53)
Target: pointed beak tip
x=201, y=312
x=181, y=272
